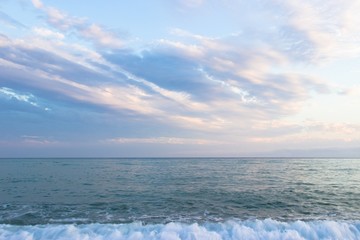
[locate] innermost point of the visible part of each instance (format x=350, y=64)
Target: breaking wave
x=250, y=229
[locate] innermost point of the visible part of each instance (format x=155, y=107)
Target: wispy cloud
x=163, y=140
x=80, y=26
x=6, y=20
x=352, y=91
x=323, y=31
x=37, y=3
x=309, y=131
x=10, y=94
x=47, y=33
x=37, y=140
x=191, y=3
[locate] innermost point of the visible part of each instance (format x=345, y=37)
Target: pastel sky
x=179, y=78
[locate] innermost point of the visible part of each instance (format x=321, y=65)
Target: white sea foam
x=257, y=229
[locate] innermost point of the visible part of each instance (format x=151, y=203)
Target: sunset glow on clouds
x=180, y=78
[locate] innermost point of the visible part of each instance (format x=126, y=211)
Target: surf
x=229, y=230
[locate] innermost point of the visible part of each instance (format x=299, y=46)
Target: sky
x=180, y=78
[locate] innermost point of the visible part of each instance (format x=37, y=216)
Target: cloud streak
x=9, y=94
x=81, y=27
x=10, y=22
x=163, y=140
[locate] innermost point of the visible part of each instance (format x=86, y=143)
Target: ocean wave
x=250, y=229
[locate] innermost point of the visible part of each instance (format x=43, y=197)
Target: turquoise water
x=189, y=196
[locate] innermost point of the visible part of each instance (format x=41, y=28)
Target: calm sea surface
x=218, y=195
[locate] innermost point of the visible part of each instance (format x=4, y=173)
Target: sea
x=179, y=198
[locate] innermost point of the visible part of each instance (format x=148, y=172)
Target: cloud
x=37, y=3
x=25, y=141
x=37, y=140
x=10, y=95
x=223, y=73
x=304, y=31
x=7, y=92
x=307, y=132
x=62, y=21
x=4, y=40
x=324, y=30
x=79, y=26
x=47, y=33
x=97, y=34
x=10, y=22
x=191, y=3
x=162, y=140
x=351, y=91
x=86, y=81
